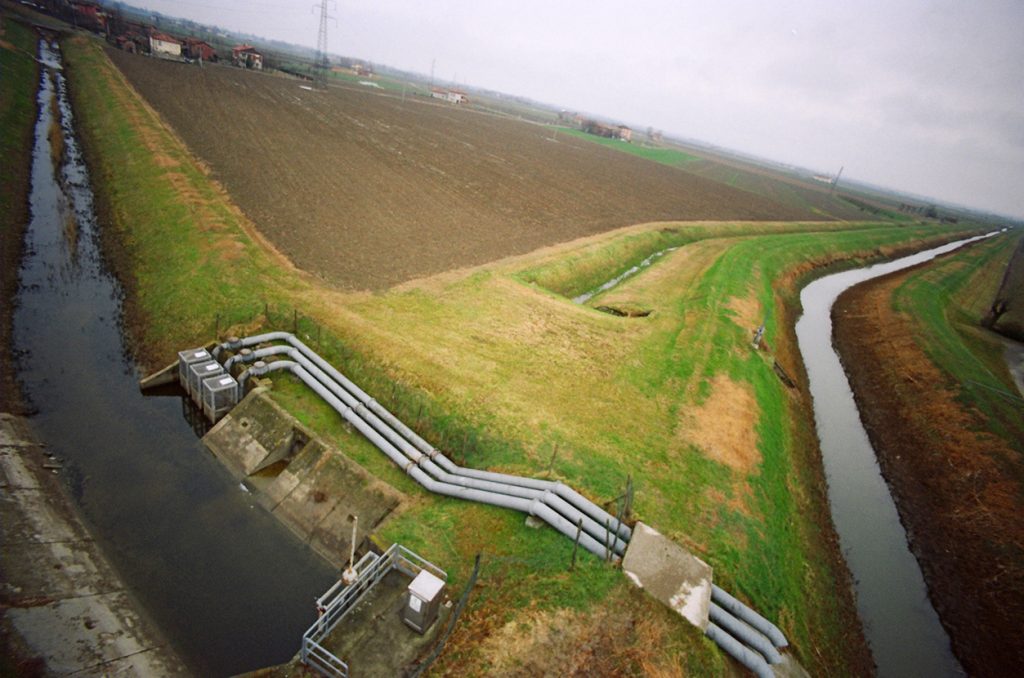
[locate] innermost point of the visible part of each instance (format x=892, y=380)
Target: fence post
x=554, y=455
x=607, y=540
x=629, y=496
x=576, y=544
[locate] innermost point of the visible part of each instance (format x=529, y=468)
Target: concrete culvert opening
x=624, y=312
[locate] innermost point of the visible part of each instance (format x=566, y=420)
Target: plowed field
x=368, y=191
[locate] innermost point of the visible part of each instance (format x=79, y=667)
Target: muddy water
x=230, y=588
x=901, y=626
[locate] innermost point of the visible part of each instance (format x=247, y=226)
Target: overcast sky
x=924, y=97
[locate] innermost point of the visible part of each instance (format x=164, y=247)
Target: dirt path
x=958, y=498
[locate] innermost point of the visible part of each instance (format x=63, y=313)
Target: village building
x=607, y=131
x=246, y=56
x=199, y=50
x=452, y=96
x=89, y=14
x=163, y=45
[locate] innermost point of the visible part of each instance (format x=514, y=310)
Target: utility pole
x=320, y=67
x=835, y=181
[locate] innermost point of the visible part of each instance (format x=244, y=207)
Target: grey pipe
x=592, y=527
x=575, y=499
x=744, y=633
x=740, y=652
x=535, y=506
x=748, y=615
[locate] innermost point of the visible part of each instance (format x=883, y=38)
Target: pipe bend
x=745, y=633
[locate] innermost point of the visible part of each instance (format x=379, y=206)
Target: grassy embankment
x=19, y=74
x=946, y=302
x=181, y=248
x=499, y=372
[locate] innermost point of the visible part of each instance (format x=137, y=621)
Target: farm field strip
x=499, y=371
x=376, y=192
x=786, y=191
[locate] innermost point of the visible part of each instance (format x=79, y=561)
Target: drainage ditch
x=229, y=586
x=899, y=621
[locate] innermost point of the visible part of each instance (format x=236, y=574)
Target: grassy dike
x=19, y=74
x=946, y=302
x=505, y=373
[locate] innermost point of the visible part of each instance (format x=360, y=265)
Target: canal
x=900, y=624
x=227, y=584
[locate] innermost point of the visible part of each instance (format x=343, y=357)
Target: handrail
x=336, y=603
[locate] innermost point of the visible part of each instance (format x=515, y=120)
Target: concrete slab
x=28, y=517
x=13, y=473
x=374, y=641
x=61, y=599
x=331, y=488
x=10, y=434
x=670, y=573
x=80, y=633
x=69, y=572
x=318, y=489
x=789, y=667
x=254, y=435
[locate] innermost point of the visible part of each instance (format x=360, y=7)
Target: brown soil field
x=367, y=191
x=958, y=495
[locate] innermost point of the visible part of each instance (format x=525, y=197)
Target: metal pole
x=576, y=544
x=352, y=552
x=554, y=455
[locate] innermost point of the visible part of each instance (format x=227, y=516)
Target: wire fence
x=458, y=437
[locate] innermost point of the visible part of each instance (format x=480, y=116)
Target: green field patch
x=666, y=156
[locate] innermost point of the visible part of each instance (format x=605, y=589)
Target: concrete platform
x=372, y=639
x=308, y=485
x=670, y=573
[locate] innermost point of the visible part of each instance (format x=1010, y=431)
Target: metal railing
x=339, y=600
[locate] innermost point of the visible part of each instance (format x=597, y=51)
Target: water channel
x=899, y=621
x=228, y=585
